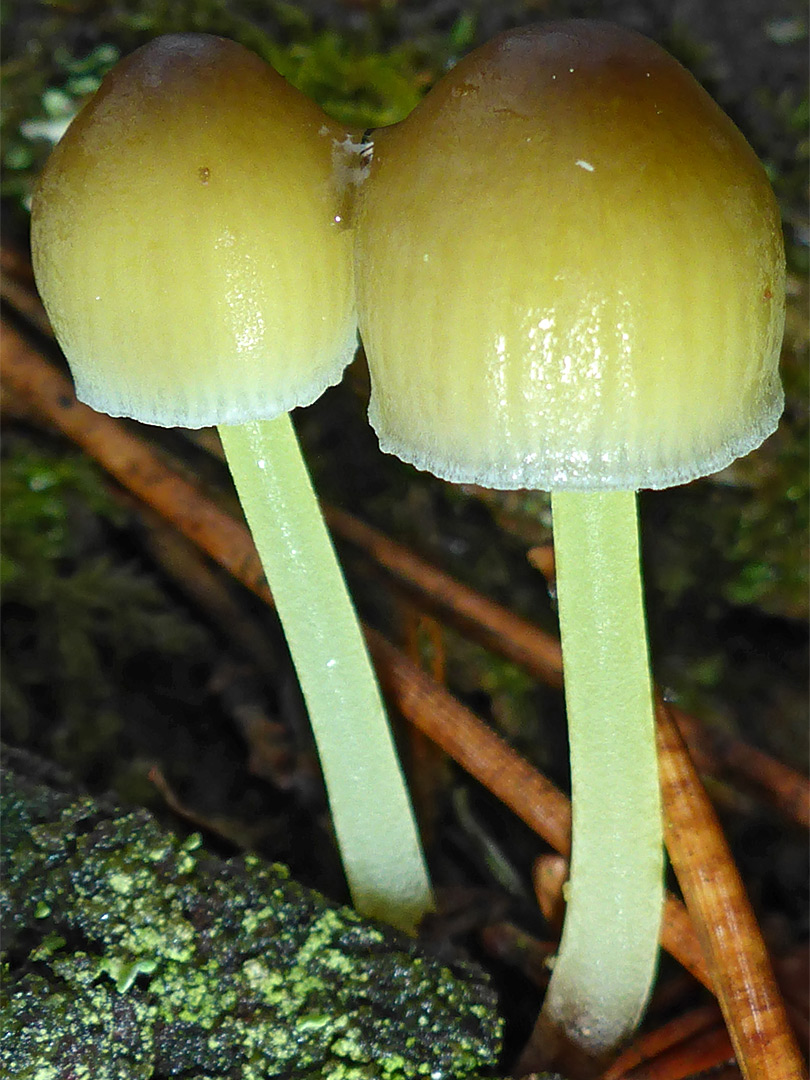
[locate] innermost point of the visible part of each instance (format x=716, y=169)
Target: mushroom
x=190, y=248
x=570, y=276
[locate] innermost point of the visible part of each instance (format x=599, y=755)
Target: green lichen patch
x=84, y=1034
x=136, y=955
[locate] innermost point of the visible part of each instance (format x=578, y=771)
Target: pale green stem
x=371, y=811
x=605, y=967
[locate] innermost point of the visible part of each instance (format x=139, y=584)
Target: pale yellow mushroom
x=570, y=276
x=190, y=248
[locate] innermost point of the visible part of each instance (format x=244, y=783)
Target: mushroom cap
x=570, y=270
x=188, y=240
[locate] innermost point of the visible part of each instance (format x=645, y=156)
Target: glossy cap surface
x=570, y=270
x=187, y=240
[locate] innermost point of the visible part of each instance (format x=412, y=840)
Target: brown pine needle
x=426, y=763
x=782, y=787
x=542, y=559
x=489, y=624
x=654, y=1043
x=549, y=874
x=705, y=1050
x=738, y=961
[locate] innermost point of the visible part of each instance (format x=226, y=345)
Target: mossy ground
x=133, y=954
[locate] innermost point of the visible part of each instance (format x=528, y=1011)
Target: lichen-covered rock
x=132, y=954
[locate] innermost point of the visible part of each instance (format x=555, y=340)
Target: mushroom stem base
x=606, y=964
x=368, y=799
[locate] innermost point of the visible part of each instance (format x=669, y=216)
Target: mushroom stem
x=606, y=963
x=371, y=812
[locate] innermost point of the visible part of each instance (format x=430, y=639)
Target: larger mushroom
x=571, y=276
x=190, y=249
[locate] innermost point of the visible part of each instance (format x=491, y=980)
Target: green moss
x=76, y=617
x=129, y=957
x=86, y=1034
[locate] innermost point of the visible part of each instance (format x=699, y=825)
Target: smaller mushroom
x=570, y=276
x=189, y=247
